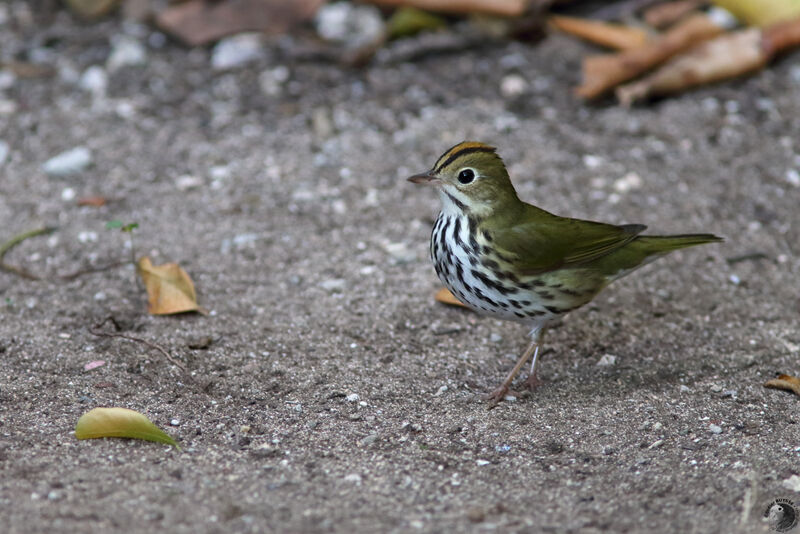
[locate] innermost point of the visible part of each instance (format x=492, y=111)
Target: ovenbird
x=508, y=259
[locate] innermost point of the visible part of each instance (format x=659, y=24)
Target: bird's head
x=471, y=178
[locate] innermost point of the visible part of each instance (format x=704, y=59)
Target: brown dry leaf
x=785, y=382
x=169, y=288
x=668, y=13
x=726, y=56
x=198, y=22
x=444, y=296
x=604, y=72
x=505, y=8
x=616, y=36
x=94, y=201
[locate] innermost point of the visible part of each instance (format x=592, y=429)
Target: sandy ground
x=336, y=395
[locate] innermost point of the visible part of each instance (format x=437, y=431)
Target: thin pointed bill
x=425, y=178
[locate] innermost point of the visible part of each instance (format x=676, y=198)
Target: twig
x=13, y=242
x=95, y=331
x=90, y=270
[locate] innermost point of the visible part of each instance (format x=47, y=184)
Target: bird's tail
x=661, y=244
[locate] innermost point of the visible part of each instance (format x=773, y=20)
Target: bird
x=508, y=259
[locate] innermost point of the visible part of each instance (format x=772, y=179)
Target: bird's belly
x=478, y=282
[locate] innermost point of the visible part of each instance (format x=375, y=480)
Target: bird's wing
x=552, y=242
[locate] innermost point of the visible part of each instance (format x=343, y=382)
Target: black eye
x=466, y=176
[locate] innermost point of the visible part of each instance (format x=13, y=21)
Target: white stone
x=5, y=150
x=792, y=483
x=126, y=52
x=607, y=359
x=236, y=51
x=69, y=162
x=793, y=177
x=355, y=478
x=94, y=80
x=715, y=429
x=513, y=85
x=352, y=397
x=68, y=194
x=7, y=79
x=187, y=181
x=333, y=285
x=349, y=24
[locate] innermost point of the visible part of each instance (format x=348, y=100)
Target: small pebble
x=513, y=85
x=271, y=81
x=369, y=440
x=349, y=24
x=69, y=162
x=792, y=483
x=68, y=194
x=591, y=161
x=441, y=390
x=793, y=177
x=400, y=253
x=715, y=429
x=495, y=338
x=732, y=393
x=716, y=388
x=7, y=79
x=187, y=181
x=482, y=462
x=126, y=52
x=87, y=237
x=94, y=80
x=684, y=389
x=333, y=285
x=5, y=150
x=607, y=359
x=174, y=422
x=236, y=51
x=628, y=182
x=353, y=397
x=355, y=478
x=735, y=280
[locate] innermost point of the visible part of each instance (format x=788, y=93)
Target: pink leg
x=499, y=394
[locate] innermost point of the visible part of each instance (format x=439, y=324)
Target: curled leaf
x=785, y=382
x=603, y=72
x=617, y=36
x=120, y=423
x=169, y=288
x=445, y=297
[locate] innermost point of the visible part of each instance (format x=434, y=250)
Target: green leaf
x=130, y=227
x=110, y=225
x=120, y=423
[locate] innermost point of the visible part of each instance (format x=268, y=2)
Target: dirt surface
x=335, y=394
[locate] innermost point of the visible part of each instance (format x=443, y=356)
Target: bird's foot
x=499, y=395
x=532, y=382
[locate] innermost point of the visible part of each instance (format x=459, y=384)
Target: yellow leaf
x=120, y=423
x=761, y=12
x=785, y=382
x=169, y=288
x=444, y=296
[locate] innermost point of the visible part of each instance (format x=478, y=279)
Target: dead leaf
x=616, y=36
x=505, y=8
x=761, y=12
x=198, y=22
x=785, y=382
x=446, y=297
x=668, y=13
x=169, y=288
x=726, y=56
x=604, y=72
x=94, y=201
x=120, y=423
